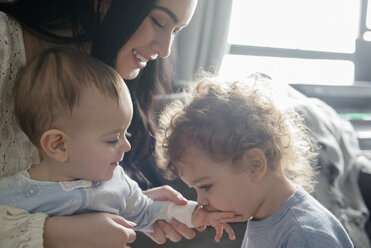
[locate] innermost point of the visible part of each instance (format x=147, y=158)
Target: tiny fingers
x=237, y=218
x=216, y=217
x=230, y=231
x=201, y=228
x=218, y=233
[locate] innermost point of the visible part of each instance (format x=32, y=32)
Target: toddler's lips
x=115, y=163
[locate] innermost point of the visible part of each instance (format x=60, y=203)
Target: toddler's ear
x=54, y=144
x=256, y=162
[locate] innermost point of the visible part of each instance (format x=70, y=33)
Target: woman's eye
x=154, y=20
x=175, y=31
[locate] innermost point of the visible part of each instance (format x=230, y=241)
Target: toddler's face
x=218, y=184
x=98, y=130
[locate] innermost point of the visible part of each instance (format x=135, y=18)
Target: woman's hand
x=93, y=230
x=162, y=229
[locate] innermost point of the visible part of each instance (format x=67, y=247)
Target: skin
x=113, y=230
x=99, y=230
x=92, y=143
x=264, y=192
x=154, y=36
x=150, y=41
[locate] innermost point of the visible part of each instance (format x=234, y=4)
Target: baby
x=244, y=154
x=76, y=111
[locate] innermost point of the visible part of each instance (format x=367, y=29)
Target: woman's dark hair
x=123, y=18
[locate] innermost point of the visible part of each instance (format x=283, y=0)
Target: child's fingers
x=217, y=216
x=237, y=218
x=230, y=231
x=218, y=233
x=201, y=228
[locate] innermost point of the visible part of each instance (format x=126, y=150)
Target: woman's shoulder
x=11, y=44
x=12, y=52
x=17, y=152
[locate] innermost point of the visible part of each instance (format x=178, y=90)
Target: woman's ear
x=256, y=162
x=54, y=144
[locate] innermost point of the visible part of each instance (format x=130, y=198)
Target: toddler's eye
x=205, y=187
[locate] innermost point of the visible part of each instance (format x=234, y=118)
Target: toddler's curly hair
x=225, y=120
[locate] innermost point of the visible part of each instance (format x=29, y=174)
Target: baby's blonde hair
x=227, y=119
x=49, y=86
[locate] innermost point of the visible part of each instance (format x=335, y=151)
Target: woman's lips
x=140, y=60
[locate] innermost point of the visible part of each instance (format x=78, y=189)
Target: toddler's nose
x=201, y=200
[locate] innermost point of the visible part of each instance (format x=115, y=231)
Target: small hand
x=218, y=219
x=219, y=232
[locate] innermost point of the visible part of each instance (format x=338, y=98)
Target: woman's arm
x=18, y=228
x=91, y=230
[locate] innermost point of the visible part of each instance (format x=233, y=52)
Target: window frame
x=359, y=57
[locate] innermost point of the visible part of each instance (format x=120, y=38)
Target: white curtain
x=202, y=44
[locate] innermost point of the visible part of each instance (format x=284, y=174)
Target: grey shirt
x=301, y=222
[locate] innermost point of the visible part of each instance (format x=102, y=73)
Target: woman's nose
x=162, y=44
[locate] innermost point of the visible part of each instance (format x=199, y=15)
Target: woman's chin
x=130, y=74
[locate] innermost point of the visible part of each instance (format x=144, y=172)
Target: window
x=295, y=41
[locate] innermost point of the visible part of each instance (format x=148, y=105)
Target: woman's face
x=154, y=36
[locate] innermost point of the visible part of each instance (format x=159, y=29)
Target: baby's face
x=218, y=184
x=98, y=135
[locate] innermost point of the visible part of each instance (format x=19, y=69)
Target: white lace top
x=17, y=227
x=16, y=151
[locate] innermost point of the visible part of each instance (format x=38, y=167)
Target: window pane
x=368, y=17
x=322, y=25
x=289, y=70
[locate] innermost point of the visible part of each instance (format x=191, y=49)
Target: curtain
x=203, y=43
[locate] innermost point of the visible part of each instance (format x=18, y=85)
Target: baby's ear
x=256, y=162
x=54, y=144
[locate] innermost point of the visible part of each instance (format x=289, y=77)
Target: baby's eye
x=113, y=142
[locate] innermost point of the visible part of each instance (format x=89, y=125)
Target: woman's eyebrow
x=169, y=12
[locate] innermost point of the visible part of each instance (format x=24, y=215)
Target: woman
x=129, y=36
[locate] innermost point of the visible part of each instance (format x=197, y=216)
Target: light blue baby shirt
x=120, y=195
x=301, y=222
